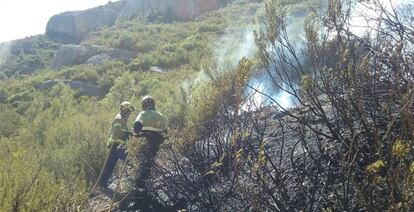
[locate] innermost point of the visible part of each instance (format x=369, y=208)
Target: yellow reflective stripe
x=152, y=129
x=118, y=125
x=116, y=141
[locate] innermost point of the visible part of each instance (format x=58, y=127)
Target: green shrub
x=10, y=121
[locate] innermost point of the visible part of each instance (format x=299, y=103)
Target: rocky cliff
x=184, y=10
x=72, y=27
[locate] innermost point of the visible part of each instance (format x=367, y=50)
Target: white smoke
x=261, y=90
x=4, y=52
x=233, y=46
x=364, y=15
x=228, y=51
x=193, y=80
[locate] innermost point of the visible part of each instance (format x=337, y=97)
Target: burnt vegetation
x=346, y=146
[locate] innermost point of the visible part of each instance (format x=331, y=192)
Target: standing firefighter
x=118, y=137
x=149, y=126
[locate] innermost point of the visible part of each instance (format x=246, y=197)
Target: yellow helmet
x=127, y=107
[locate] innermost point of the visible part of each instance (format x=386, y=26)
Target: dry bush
x=348, y=145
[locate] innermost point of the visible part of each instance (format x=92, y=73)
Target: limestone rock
x=72, y=27
x=156, y=69
x=69, y=55
x=98, y=59
x=184, y=10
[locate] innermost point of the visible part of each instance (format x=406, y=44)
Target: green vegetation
x=171, y=46
x=52, y=142
x=29, y=55
x=348, y=147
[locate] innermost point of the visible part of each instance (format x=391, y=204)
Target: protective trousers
x=116, y=152
x=144, y=160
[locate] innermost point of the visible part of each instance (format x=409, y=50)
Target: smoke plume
x=4, y=52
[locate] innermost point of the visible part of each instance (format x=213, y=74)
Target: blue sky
x=22, y=18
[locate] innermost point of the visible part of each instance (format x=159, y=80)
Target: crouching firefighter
x=149, y=127
x=118, y=137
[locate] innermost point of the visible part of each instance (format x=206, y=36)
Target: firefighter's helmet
x=148, y=103
x=127, y=107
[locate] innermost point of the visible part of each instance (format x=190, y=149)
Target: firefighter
x=118, y=137
x=149, y=127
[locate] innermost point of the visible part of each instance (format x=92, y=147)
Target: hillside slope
x=270, y=107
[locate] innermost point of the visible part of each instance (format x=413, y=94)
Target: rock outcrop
x=27, y=55
x=184, y=10
x=72, y=27
x=156, y=69
x=69, y=55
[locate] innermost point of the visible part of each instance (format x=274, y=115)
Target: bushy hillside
x=345, y=143
x=53, y=141
x=26, y=56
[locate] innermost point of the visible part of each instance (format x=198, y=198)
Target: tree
x=123, y=89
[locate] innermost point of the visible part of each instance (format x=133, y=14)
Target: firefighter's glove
x=121, y=147
x=127, y=135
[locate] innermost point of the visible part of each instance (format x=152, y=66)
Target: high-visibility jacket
x=119, y=130
x=151, y=120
